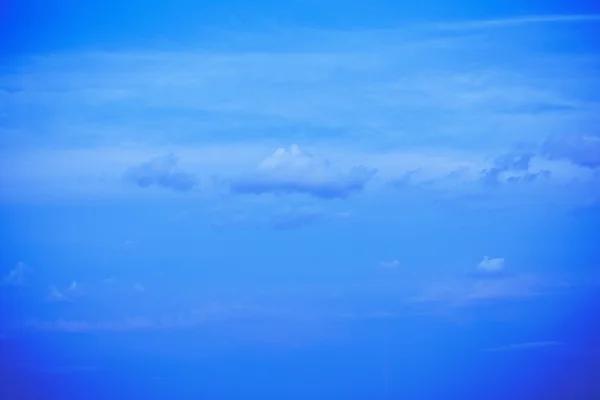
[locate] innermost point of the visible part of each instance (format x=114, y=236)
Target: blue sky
x=299, y=200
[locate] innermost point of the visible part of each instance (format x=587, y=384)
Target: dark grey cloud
x=580, y=149
x=295, y=171
x=162, y=172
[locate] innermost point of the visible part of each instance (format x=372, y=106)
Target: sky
x=300, y=200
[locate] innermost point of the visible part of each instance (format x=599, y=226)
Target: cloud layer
x=580, y=149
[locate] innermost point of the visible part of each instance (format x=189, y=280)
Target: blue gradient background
x=125, y=273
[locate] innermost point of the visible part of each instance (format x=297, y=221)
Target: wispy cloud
x=525, y=346
x=489, y=282
x=522, y=20
x=66, y=295
x=17, y=276
x=294, y=218
x=465, y=292
x=216, y=314
x=391, y=264
x=162, y=172
x=55, y=295
x=127, y=324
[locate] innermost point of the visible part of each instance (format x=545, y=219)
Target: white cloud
x=491, y=264
x=392, y=264
x=17, y=275
x=296, y=171
x=138, y=287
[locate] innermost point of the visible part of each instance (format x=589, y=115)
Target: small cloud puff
x=296, y=171
x=491, y=265
x=138, y=287
x=389, y=264
x=162, y=172
x=16, y=276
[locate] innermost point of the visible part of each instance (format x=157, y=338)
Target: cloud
x=295, y=218
x=57, y=296
x=287, y=218
x=525, y=346
x=465, y=292
x=162, y=172
x=209, y=313
x=490, y=282
x=392, y=264
x=127, y=246
x=64, y=369
x=525, y=20
x=580, y=149
x=512, y=167
x=343, y=214
x=127, y=324
x=138, y=287
x=502, y=288
x=491, y=265
x=296, y=171
x=66, y=295
x=16, y=276
x=74, y=287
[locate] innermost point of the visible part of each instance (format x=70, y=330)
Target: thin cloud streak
x=525, y=346
x=524, y=20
